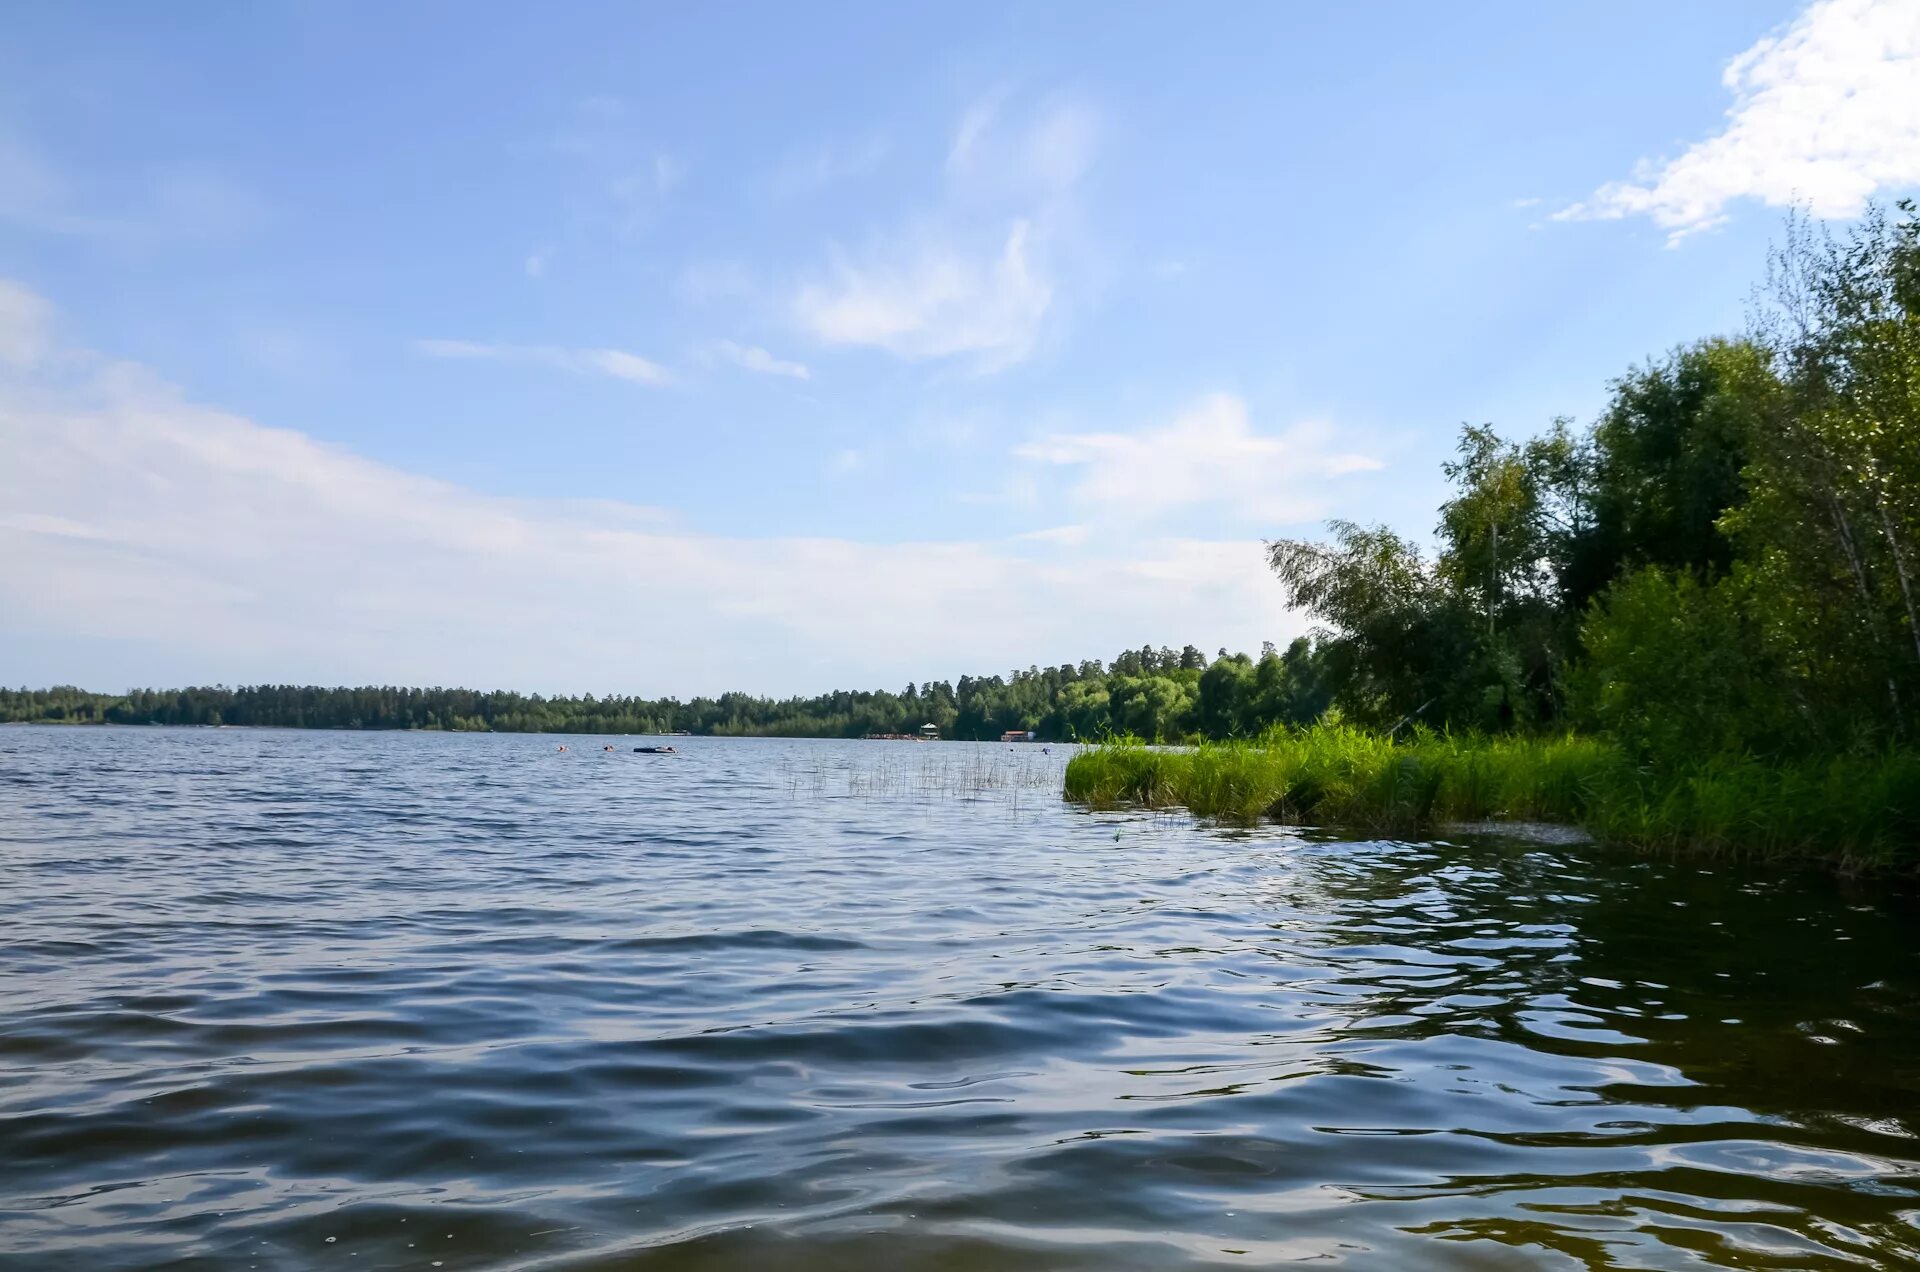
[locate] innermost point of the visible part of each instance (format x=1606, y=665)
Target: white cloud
x=639, y=195
x=255, y=553
x=200, y=202
x=974, y=123
x=165, y=202
x=31, y=192
x=606, y=137
x=1209, y=456
x=617, y=363
x=933, y=301
x=24, y=322
x=706, y=282
x=1060, y=146
x=807, y=171
x=536, y=263
x=1059, y=536
x=758, y=360
x=978, y=274
x=1826, y=113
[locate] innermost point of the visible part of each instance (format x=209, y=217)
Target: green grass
x=1856, y=812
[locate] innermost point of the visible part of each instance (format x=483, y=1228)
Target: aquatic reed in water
x=1856, y=811
x=916, y=772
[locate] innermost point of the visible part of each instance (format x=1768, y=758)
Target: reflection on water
x=342, y=1000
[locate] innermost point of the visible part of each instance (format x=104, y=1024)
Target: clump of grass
x=1854, y=811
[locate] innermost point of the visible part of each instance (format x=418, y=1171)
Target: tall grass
x=1858, y=812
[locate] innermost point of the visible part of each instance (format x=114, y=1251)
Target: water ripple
x=273, y=999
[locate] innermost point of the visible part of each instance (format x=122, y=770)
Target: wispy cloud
x=1825, y=112
x=976, y=275
x=978, y=117
x=758, y=360
x=252, y=552
x=640, y=194
x=1210, y=456
x=25, y=324
x=931, y=300
x=708, y=282
x=608, y=139
x=617, y=363
x=166, y=202
x=1058, y=536
x=804, y=171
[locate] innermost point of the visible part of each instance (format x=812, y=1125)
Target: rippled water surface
x=280, y=999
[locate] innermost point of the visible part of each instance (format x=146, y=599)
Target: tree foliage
x=1729, y=557
x=1150, y=693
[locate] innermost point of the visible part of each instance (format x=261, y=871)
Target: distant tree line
x=1726, y=561
x=1160, y=694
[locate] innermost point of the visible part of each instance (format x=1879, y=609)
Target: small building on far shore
x=927, y=733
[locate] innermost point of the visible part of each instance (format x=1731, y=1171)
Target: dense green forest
x=1154, y=693
x=1723, y=562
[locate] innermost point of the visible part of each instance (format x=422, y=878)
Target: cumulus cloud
x=1826, y=113
x=617, y=363
x=758, y=360
x=1210, y=455
x=976, y=274
x=250, y=552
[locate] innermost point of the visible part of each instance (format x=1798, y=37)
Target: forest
x=1723, y=562
x=1151, y=693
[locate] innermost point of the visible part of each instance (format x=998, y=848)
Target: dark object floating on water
x=654, y=750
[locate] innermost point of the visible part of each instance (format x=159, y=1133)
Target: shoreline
x=1855, y=814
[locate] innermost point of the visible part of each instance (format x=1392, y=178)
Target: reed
x=1857, y=812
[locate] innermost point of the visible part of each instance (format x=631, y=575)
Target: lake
x=298, y=999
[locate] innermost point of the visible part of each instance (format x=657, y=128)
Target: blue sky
x=617, y=349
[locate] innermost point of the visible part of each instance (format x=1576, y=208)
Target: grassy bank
x=1857, y=812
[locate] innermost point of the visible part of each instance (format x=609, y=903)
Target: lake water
x=363, y=1001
